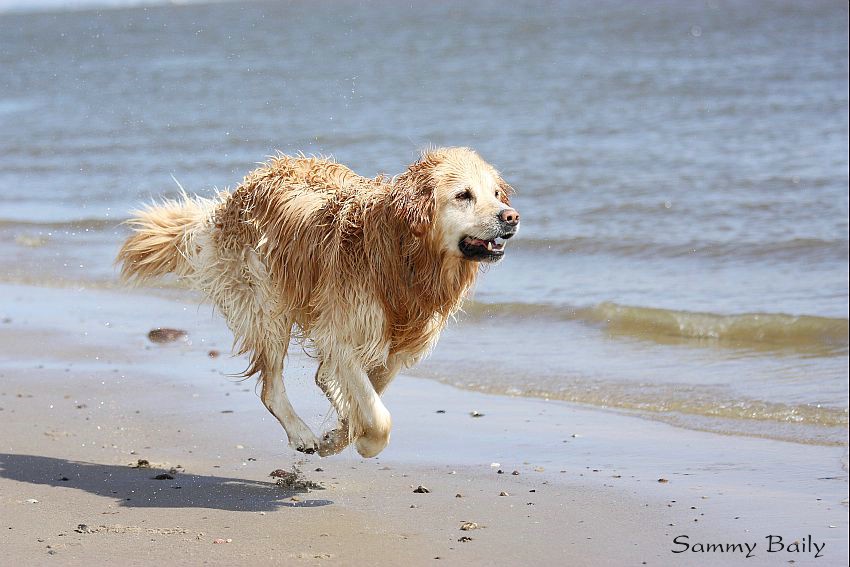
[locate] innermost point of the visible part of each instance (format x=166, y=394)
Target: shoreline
x=610, y=399
x=105, y=397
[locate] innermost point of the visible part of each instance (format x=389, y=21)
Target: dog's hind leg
x=240, y=285
x=301, y=437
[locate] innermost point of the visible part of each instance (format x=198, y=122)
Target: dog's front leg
x=363, y=417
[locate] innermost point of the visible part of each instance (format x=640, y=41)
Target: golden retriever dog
x=364, y=272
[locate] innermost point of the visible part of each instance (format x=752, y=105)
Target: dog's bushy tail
x=161, y=233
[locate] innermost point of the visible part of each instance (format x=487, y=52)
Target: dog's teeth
x=489, y=245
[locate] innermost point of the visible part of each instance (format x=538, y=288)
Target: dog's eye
x=465, y=195
x=497, y=193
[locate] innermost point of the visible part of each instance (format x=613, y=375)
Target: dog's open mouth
x=482, y=250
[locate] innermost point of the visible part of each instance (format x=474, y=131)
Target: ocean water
x=681, y=168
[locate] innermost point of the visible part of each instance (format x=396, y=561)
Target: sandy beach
x=85, y=395
x=655, y=374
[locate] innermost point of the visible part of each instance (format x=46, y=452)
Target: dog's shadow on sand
x=138, y=487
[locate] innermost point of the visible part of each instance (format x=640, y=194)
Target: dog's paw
x=307, y=449
x=369, y=447
x=305, y=442
x=334, y=441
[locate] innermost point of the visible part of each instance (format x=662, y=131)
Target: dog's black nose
x=509, y=216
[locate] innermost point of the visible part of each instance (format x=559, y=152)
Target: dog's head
x=457, y=202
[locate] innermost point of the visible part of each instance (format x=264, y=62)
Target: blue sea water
x=681, y=167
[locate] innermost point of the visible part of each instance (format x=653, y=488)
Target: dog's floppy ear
x=413, y=195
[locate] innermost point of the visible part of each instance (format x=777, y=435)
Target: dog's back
x=276, y=208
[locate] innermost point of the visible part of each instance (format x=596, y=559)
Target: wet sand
x=84, y=395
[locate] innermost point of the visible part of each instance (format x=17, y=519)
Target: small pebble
x=162, y=335
x=421, y=490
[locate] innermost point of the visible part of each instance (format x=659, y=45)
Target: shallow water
x=681, y=169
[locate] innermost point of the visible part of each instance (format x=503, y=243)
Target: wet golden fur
x=357, y=268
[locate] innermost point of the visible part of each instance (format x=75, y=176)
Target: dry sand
x=84, y=395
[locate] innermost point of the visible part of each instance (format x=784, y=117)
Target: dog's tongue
x=476, y=241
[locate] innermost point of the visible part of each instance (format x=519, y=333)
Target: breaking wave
x=765, y=330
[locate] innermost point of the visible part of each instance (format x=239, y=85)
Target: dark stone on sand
x=421, y=490
x=142, y=464
x=162, y=335
x=163, y=476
